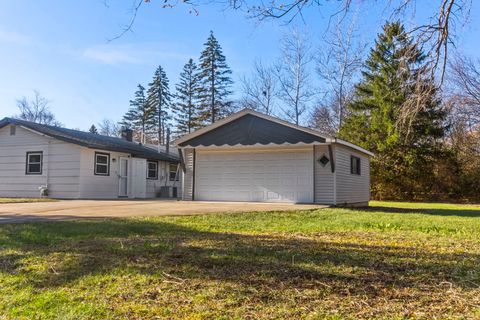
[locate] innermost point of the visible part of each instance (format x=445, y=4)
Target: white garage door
x=270, y=176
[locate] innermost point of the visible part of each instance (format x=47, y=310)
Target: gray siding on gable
x=324, y=178
x=61, y=162
x=188, y=176
x=351, y=188
x=250, y=130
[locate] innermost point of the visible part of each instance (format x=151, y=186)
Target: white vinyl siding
x=351, y=188
x=273, y=175
x=153, y=186
x=60, y=167
x=324, y=177
x=94, y=186
x=189, y=157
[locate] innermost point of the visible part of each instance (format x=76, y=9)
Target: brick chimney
x=127, y=134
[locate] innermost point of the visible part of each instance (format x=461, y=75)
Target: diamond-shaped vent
x=323, y=160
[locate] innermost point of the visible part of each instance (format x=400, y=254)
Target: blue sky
x=61, y=48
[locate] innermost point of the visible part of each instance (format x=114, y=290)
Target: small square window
x=355, y=165
x=34, y=162
x=102, y=164
x=152, y=170
x=173, y=172
x=323, y=160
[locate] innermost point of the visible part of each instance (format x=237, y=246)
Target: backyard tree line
x=201, y=96
x=421, y=123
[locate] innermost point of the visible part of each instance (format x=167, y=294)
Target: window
x=173, y=172
x=13, y=130
x=354, y=165
x=102, y=164
x=34, y=162
x=152, y=170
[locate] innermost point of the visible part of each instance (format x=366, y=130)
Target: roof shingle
x=93, y=141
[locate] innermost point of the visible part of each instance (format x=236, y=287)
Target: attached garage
x=251, y=156
x=284, y=175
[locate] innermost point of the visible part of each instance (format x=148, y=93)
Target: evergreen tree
x=141, y=116
x=186, y=107
x=402, y=166
x=159, y=99
x=93, y=129
x=215, y=82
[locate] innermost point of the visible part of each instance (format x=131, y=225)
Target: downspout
x=332, y=164
x=47, y=178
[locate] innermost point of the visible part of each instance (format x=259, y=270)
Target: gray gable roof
x=249, y=130
x=93, y=141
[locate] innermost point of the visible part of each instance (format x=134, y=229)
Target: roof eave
x=240, y=114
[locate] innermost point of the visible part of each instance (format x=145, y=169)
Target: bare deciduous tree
x=293, y=75
x=337, y=66
x=109, y=128
x=323, y=119
x=37, y=110
x=465, y=90
x=437, y=29
x=260, y=88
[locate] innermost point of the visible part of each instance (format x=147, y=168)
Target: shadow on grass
x=461, y=212
x=73, y=249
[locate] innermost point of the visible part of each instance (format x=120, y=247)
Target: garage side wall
x=188, y=177
x=324, y=177
x=351, y=188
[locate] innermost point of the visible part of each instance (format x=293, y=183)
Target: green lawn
x=24, y=200
x=390, y=261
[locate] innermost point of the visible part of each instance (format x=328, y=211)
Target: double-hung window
x=152, y=170
x=102, y=164
x=34, y=162
x=173, y=172
x=355, y=165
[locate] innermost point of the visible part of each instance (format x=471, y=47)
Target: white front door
x=123, y=177
x=268, y=175
x=139, y=178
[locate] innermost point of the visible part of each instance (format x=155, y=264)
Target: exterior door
x=123, y=177
x=266, y=176
x=138, y=175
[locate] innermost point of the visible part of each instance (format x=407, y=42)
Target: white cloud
x=143, y=53
x=109, y=55
x=15, y=38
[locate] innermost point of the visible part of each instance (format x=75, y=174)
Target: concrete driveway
x=80, y=209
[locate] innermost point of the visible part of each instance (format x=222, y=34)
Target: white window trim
x=358, y=162
x=107, y=155
x=34, y=153
x=170, y=171
x=156, y=170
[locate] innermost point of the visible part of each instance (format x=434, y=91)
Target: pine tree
x=215, y=82
x=93, y=129
x=186, y=107
x=392, y=77
x=159, y=99
x=140, y=116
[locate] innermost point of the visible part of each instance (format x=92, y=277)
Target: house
x=250, y=156
x=73, y=164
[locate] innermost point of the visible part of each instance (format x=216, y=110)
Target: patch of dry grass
x=25, y=200
x=331, y=263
